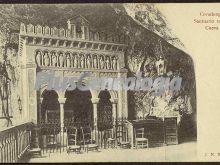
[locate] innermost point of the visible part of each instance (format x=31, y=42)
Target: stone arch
x=44, y=92
x=95, y=54
x=78, y=106
x=46, y=50
x=68, y=52
x=114, y=94
x=60, y=51
x=53, y=51
x=38, y=50
x=50, y=106
x=42, y=89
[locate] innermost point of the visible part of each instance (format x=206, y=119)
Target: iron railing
x=53, y=138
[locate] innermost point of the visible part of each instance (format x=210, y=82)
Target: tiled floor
x=181, y=152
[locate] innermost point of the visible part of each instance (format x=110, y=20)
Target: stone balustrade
x=14, y=142
x=54, y=32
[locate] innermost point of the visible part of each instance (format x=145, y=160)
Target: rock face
x=148, y=40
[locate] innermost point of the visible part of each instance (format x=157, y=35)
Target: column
x=24, y=97
x=122, y=96
x=125, y=112
x=74, y=31
x=62, y=101
x=120, y=104
x=95, y=116
x=83, y=32
x=115, y=118
x=39, y=110
x=31, y=94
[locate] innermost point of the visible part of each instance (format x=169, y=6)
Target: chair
x=88, y=143
x=140, y=140
x=51, y=138
x=110, y=137
x=72, y=140
x=122, y=136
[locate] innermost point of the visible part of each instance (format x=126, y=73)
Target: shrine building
x=70, y=52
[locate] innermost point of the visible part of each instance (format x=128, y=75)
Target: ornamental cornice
x=72, y=43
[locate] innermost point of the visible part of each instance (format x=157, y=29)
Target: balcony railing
x=14, y=142
x=54, y=32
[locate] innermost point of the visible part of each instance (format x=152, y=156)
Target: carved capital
x=62, y=100
x=95, y=100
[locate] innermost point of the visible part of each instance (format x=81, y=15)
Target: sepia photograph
x=102, y=82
